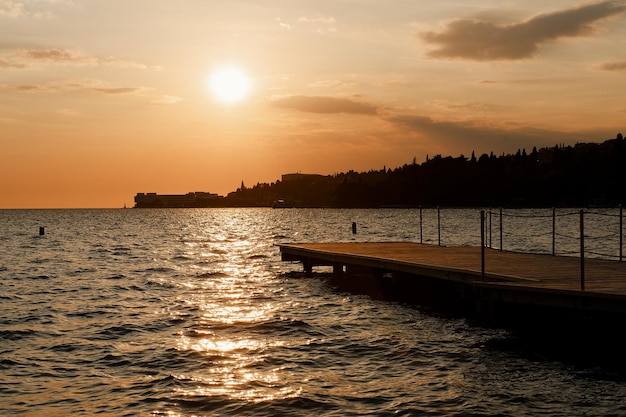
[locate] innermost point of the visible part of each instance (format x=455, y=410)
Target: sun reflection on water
x=226, y=347
x=234, y=369
x=232, y=296
x=237, y=314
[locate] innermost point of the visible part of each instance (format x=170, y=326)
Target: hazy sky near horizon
x=102, y=99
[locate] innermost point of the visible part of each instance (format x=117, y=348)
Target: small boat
x=279, y=204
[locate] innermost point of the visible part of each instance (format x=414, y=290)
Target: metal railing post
x=621, y=233
x=553, y=231
x=482, y=245
x=582, y=251
x=438, y=226
x=490, y=228
x=501, y=229
x=421, y=234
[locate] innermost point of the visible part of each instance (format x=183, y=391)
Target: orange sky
x=102, y=99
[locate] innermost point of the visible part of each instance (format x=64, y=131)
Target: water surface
x=192, y=313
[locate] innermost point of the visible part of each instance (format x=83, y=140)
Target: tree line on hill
x=586, y=174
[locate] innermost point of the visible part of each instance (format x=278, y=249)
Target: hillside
x=587, y=174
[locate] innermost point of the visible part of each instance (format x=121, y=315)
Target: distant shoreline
x=584, y=175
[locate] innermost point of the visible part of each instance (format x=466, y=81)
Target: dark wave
x=285, y=326
x=98, y=313
x=159, y=269
x=66, y=347
x=8, y=363
x=80, y=271
x=17, y=334
x=114, y=361
x=41, y=277
x=216, y=274
x=117, y=331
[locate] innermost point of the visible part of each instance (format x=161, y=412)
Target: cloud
x=321, y=104
x=283, y=24
x=25, y=88
x=327, y=20
x=10, y=64
x=32, y=9
x=29, y=58
x=333, y=84
x=167, y=99
x=324, y=23
x=466, y=105
x=85, y=85
x=484, y=41
x=614, y=66
x=468, y=136
x=51, y=55
x=114, y=90
x=11, y=8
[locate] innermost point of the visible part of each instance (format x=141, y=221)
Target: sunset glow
x=230, y=84
x=90, y=116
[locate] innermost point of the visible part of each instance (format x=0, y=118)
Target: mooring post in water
x=582, y=251
x=482, y=245
x=354, y=228
x=41, y=231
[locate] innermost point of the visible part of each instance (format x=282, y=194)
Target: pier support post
x=41, y=231
x=308, y=266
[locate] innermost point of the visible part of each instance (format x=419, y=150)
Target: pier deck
x=510, y=277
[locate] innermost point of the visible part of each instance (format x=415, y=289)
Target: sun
x=229, y=84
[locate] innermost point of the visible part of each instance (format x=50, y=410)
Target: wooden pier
x=507, y=286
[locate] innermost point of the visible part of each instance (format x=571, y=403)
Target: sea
x=191, y=312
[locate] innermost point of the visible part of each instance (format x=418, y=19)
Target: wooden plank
x=522, y=269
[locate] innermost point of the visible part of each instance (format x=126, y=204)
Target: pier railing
x=603, y=234
x=579, y=233
x=547, y=231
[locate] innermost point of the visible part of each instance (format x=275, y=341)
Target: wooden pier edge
x=450, y=279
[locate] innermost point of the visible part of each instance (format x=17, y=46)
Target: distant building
x=299, y=177
x=194, y=199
